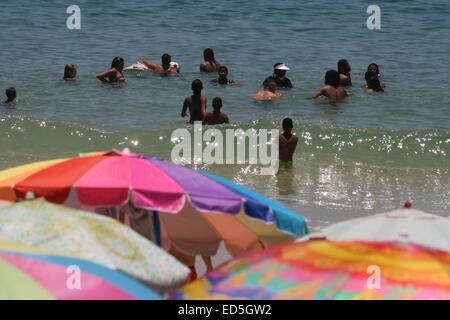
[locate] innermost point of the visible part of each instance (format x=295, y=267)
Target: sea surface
x=362, y=156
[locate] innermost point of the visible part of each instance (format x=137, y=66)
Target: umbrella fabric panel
x=13, y=281
x=204, y=194
x=9, y=177
x=54, y=183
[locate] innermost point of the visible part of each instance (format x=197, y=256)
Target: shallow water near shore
x=363, y=156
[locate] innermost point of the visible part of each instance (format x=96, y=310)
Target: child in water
x=216, y=117
x=222, y=79
x=287, y=144
x=332, y=89
x=11, y=95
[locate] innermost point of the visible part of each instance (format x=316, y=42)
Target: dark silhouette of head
x=344, y=66
x=374, y=68
x=278, y=72
x=372, y=80
x=70, y=71
x=11, y=94
x=208, y=55
x=217, y=104
x=166, y=59
x=118, y=63
x=197, y=87
x=223, y=71
x=287, y=124
x=332, y=78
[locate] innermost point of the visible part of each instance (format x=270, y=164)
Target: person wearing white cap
x=279, y=75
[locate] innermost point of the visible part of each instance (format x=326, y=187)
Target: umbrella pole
x=157, y=226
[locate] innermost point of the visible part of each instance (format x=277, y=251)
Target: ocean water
x=362, y=156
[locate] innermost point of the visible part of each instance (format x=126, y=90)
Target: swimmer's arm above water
x=103, y=76
x=149, y=64
x=317, y=94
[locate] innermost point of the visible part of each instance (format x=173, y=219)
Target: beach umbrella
x=58, y=230
x=405, y=224
x=242, y=218
x=322, y=269
x=26, y=274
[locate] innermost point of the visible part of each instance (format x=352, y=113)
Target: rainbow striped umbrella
x=28, y=275
x=116, y=179
x=321, y=269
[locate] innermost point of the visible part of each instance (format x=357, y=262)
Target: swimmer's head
x=279, y=69
x=373, y=67
x=270, y=85
x=344, y=66
x=287, y=124
x=70, y=71
x=372, y=80
x=11, y=94
x=217, y=103
x=118, y=63
x=223, y=71
x=208, y=55
x=165, y=60
x=197, y=86
x=332, y=78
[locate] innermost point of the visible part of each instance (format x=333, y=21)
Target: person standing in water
x=166, y=68
x=222, y=79
x=332, y=90
x=195, y=103
x=344, y=70
x=70, y=72
x=279, y=76
x=269, y=92
x=114, y=74
x=209, y=64
x=216, y=117
x=287, y=144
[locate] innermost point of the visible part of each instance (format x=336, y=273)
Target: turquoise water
x=365, y=155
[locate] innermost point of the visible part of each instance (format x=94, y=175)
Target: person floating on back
x=223, y=74
x=372, y=82
x=209, y=64
x=11, y=96
x=166, y=68
x=344, y=70
x=279, y=76
x=195, y=103
x=114, y=74
x=216, y=117
x=70, y=72
x=269, y=92
x=287, y=144
x=331, y=90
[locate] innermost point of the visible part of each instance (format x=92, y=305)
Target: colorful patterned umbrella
x=121, y=178
x=57, y=230
x=406, y=224
x=27, y=275
x=321, y=269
